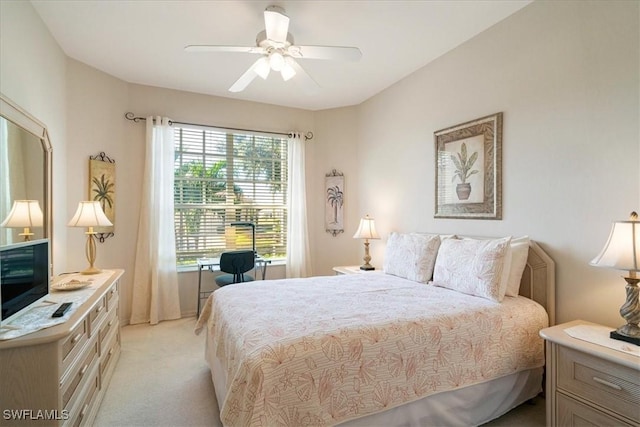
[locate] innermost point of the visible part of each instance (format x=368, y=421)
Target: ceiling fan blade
x=247, y=77
x=276, y=24
x=215, y=48
x=302, y=78
x=342, y=53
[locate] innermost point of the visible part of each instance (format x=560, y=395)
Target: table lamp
x=366, y=231
x=622, y=252
x=90, y=214
x=25, y=214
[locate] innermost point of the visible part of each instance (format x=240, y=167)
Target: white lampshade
x=622, y=251
x=89, y=214
x=367, y=229
x=24, y=213
x=262, y=67
x=287, y=70
x=276, y=61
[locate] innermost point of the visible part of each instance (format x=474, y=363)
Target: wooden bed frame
x=539, y=280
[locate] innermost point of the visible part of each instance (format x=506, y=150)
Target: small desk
x=211, y=264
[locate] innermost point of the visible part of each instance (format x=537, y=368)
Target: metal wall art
x=469, y=169
x=334, y=202
x=102, y=188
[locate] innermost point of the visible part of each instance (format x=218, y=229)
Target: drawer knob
x=607, y=383
x=99, y=309
x=84, y=411
x=84, y=369
x=76, y=338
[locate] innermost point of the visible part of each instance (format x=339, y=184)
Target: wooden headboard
x=539, y=280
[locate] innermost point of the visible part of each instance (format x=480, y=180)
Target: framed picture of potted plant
x=469, y=169
x=334, y=202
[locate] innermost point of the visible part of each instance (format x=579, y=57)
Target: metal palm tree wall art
x=334, y=203
x=102, y=188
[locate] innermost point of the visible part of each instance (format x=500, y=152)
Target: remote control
x=61, y=310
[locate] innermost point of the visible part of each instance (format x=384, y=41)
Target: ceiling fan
x=278, y=52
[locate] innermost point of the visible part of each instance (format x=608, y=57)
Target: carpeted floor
x=162, y=380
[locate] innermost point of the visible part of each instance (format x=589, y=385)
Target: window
x=223, y=177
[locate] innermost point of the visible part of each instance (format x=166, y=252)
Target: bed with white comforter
x=328, y=350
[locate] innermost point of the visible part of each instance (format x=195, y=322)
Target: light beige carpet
x=162, y=380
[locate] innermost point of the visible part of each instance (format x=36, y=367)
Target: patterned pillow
x=411, y=256
x=472, y=267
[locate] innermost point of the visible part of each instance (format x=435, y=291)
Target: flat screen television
x=24, y=277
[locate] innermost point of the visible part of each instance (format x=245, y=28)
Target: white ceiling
x=142, y=41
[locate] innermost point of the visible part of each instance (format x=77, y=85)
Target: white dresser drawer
x=73, y=343
x=77, y=376
x=97, y=313
x=610, y=385
x=78, y=414
x=573, y=413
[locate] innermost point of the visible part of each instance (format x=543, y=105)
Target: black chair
x=236, y=264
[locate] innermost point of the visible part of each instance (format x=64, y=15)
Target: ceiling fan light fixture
x=262, y=68
x=287, y=72
x=276, y=60
x=279, y=53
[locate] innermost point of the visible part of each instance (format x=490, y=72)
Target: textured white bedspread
x=324, y=350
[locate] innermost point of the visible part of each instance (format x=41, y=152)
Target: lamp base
x=627, y=333
x=367, y=267
x=91, y=270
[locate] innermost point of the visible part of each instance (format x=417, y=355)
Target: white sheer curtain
x=155, y=282
x=298, y=262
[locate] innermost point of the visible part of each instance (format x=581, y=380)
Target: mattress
x=325, y=350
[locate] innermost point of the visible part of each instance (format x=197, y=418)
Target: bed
x=376, y=348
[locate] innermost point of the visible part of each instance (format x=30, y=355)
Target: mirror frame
x=13, y=113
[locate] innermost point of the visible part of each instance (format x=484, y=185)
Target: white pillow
x=472, y=267
x=519, y=254
x=411, y=256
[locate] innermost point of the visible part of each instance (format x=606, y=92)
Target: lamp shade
x=367, y=229
x=89, y=214
x=24, y=213
x=622, y=250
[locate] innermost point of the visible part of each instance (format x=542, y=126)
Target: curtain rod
x=130, y=116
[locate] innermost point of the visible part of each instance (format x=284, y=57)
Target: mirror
x=25, y=173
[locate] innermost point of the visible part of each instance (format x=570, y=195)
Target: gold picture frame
x=469, y=169
x=102, y=188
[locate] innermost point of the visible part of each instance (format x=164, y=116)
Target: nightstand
x=588, y=383
x=350, y=269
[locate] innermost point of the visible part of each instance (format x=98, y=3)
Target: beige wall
x=32, y=74
x=96, y=103
x=335, y=146
x=565, y=74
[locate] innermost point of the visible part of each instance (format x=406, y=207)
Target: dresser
x=58, y=376
x=587, y=383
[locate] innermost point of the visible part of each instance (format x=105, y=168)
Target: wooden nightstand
x=588, y=383
x=351, y=269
